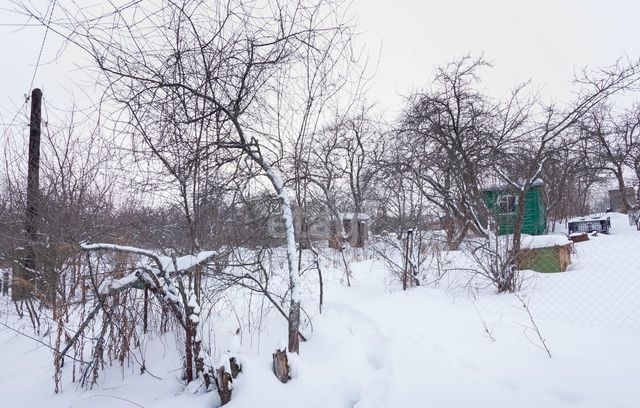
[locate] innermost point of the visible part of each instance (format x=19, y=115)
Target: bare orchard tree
x=612, y=140
x=412, y=251
x=216, y=65
x=360, y=144
x=168, y=279
x=340, y=170
x=540, y=133
x=324, y=82
x=448, y=138
x=324, y=172
x=569, y=176
x=633, y=117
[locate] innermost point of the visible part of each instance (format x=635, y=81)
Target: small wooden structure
x=550, y=259
x=502, y=203
x=356, y=228
x=347, y=227
x=547, y=253
x=592, y=223
x=307, y=227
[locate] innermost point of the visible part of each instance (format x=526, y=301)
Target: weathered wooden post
x=24, y=277
x=5, y=282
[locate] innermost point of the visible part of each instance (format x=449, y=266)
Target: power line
x=44, y=39
x=13, y=120
x=20, y=24
x=12, y=124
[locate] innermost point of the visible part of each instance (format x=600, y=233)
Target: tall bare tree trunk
x=623, y=189
x=292, y=254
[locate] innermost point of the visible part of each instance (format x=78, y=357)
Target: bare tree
x=569, y=176
x=449, y=138
x=633, y=119
x=519, y=164
x=612, y=140
x=188, y=70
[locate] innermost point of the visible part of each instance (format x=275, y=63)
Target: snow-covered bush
x=493, y=259
x=415, y=258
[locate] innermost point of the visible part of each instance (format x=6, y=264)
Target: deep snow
x=376, y=346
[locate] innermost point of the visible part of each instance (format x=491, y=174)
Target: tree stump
x=281, y=366
x=223, y=382
x=235, y=367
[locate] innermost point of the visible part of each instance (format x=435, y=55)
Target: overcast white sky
x=545, y=40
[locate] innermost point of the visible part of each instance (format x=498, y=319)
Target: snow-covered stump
x=236, y=368
x=281, y=365
x=223, y=381
x=224, y=377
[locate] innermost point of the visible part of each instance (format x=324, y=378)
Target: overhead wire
x=44, y=39
x=49, y=13
x=12, y=123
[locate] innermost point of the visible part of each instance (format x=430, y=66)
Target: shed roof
x=586, y=218
x=507, y=187
x=357, y=216
x=544, y=241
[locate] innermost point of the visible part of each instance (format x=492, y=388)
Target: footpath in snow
x=376, y=346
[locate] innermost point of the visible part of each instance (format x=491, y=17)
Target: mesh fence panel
x=600, y=287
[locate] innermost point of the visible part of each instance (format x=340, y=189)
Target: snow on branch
x=122, y=248
x=164, y=264
x=508, y=180
x=160, y=266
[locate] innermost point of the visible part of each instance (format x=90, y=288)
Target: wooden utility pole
x=24, y=276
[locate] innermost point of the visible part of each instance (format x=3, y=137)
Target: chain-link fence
x=593, y=281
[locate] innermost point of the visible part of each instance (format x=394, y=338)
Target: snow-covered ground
x=376, y=346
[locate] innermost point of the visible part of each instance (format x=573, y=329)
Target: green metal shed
x=502, y=203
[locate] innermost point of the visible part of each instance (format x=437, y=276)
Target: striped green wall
x=535, y=212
